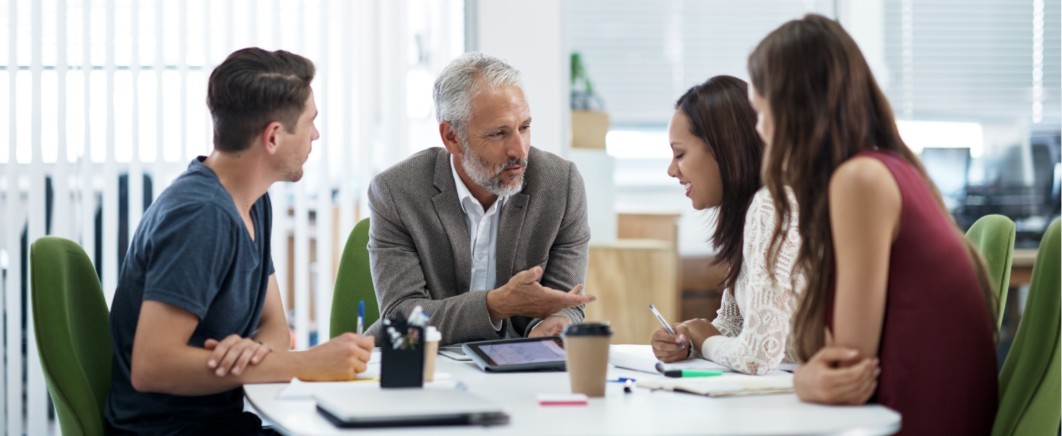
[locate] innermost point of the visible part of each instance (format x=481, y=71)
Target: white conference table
x=618, y=413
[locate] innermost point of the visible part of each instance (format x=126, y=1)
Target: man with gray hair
x=488, y=234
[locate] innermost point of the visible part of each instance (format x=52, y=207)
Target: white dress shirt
x=482, y=232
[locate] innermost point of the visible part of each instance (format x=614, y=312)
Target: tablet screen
x=515, y=353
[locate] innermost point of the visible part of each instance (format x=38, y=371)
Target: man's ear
x=451, y=140
x=269, y=139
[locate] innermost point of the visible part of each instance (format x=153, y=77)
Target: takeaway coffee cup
x=586, y=347
x=431, y=347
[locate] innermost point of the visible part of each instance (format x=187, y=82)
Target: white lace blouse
x=754, y=317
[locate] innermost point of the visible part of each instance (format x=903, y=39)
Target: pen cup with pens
x=402, y=349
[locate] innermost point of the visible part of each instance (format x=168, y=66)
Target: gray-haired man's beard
x=490, y=178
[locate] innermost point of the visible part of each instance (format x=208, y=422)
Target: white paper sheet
x=641, y=358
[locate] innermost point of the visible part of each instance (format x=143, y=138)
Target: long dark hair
x=721, y=116
x=826, y=107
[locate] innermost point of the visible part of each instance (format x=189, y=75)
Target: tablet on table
x=524, y=354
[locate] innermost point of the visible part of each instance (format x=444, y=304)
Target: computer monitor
x=949, y=169
x=1046, y=155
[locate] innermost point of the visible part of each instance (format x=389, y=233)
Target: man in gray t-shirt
x=197, y=312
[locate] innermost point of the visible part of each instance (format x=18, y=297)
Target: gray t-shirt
x=192, y=251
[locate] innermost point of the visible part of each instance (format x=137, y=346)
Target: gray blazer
x=419, y=243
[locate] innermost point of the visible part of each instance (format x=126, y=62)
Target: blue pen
x=361, y=317
x=622, y=380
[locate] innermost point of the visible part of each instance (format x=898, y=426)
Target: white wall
x=530, y=36
x=864, y=20
x=533, y=37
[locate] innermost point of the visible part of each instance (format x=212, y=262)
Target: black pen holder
x=402, y=362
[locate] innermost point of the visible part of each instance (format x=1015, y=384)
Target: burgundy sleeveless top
x=937, y=352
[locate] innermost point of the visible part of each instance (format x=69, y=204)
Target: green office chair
x=993, y=235
x=73, y=334
x=354, y=284
x=1030, y=399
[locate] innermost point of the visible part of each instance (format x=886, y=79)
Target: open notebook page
x=774, y=382
x=641, y=358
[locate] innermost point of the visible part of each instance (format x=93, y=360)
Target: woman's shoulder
x=761, y=217
x=868, y=165
x=866, y=175
x=763, y=202
x=761, y=199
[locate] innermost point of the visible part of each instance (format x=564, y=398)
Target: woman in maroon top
x=897, y=306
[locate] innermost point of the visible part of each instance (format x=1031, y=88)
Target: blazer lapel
x=452, y=220
x=510, y=224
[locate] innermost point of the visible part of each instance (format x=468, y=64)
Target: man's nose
x=518, y=147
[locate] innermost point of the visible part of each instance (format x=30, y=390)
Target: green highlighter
x=691, y=373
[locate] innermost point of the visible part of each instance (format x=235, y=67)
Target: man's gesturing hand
x=523, y=295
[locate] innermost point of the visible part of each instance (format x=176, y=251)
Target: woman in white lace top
x=716, y=157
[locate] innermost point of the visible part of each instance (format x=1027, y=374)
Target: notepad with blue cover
x=409, y=407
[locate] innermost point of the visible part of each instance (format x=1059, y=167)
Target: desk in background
x=626, y=277
x=639, y=268
x=1021, y=266
x=698, y=290
x=639, y=413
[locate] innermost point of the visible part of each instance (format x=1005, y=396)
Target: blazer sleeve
x=570, y=250
x=398, y=277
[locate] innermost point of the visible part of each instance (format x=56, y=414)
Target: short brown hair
x=252, y=88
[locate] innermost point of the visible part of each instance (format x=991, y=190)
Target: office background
x=105, y=106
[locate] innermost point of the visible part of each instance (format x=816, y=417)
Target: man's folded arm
x=163, y=362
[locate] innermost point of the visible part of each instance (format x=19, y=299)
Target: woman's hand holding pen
x=671, y=348
x=234, y=353
x=688, y=337
x=699, y=330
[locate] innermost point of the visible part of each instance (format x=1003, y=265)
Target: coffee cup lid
x=432, y=334
x=589, y=329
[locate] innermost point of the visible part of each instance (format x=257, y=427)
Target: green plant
x=582, y=94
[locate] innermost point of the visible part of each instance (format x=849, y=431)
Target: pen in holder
x=402, y=346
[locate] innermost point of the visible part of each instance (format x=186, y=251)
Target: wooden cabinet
x=626, y=277
x=639, y=269
x=643, y=225
x=1021, y=266
x=644, y=267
